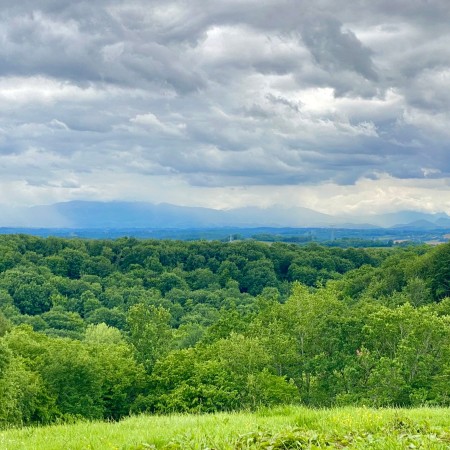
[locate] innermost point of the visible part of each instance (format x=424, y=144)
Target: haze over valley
x=84, y=214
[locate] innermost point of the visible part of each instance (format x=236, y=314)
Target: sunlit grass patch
x=278, y=428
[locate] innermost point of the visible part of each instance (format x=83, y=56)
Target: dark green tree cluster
x=101, y=329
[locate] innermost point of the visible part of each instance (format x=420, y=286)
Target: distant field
x=280, y=428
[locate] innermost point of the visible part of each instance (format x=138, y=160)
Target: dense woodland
x=100, y=329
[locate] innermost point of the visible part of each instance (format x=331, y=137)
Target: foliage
x=98, y=329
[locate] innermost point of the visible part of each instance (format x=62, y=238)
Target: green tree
x=74, y=260
x=436, y=267
x=58, y=319
x=73, y=376
x=24, y=399
x=122, y=378
x=169, y=280
x=150, y=333
x=257, y=275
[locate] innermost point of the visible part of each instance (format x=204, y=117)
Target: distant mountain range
x=90, y=214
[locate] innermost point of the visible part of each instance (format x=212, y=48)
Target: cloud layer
x=226, y=103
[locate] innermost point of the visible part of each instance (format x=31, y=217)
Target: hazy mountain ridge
x=122, y=214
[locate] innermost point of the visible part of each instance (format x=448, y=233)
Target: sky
x=338, y=106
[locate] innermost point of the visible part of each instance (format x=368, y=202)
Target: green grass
x=279, y=428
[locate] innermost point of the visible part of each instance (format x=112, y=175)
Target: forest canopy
x=100, y=329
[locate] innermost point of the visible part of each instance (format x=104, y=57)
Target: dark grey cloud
x=337, y=50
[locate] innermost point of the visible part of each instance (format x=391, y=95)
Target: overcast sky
x=336, y=105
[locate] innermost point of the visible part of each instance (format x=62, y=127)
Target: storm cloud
x=225, y=103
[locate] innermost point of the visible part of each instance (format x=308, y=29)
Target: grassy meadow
x=278, y=428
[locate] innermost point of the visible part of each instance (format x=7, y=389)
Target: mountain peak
x=124, y=214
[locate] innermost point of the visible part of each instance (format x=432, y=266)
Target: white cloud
x=150, y=121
